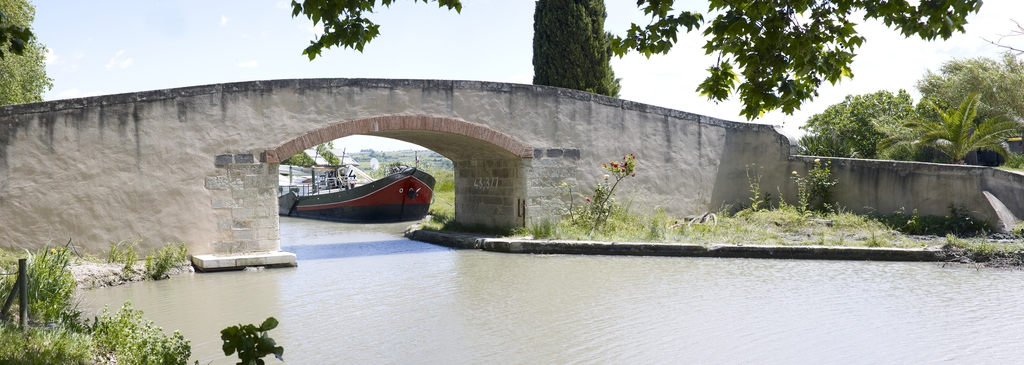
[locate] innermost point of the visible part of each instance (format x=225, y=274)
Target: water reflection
x=362, y=294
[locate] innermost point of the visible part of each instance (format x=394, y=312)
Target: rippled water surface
x=362, y=294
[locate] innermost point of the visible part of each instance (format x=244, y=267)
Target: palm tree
x=956, y=134
x=826, y=145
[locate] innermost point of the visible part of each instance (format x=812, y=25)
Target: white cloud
x=283, y=5
x=223, y=20
x=252, y=63
x=50, y=56
x=119, y=61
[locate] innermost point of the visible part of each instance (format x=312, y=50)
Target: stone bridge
x=199, y=164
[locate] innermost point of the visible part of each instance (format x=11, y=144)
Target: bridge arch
x=457, y=137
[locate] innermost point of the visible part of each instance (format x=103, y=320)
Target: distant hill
x=429, y=160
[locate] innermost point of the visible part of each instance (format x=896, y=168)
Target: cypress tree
x=570, y=47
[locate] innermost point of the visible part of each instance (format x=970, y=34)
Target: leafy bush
x=251, y=342
x=136, y=341
x=123, y=253
x=168, y=257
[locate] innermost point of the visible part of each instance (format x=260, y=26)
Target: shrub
x=815, y=190
x=168, y=257
x=136, y=341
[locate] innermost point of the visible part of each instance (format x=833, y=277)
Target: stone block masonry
x=244, y=198
x=544, y=174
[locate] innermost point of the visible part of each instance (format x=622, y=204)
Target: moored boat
x=332, y=194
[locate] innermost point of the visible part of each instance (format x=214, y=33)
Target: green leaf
x=268, y=324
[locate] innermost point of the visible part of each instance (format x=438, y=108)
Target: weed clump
x=168, y=257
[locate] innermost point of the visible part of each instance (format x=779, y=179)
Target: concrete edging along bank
x=508, y=245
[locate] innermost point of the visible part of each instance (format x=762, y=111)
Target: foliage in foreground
x=67, y=339
x=772, y=54
x=51, y=288
x=252, y=343
x=137, y=341
x=44, y=346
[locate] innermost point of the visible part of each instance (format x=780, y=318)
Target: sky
x=121, y=46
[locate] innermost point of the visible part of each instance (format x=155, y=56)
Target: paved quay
x=512, y=245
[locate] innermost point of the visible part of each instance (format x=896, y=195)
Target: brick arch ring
x=399, y=123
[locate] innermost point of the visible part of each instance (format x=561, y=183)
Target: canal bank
x=810, y=252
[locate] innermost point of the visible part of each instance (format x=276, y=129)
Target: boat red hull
x=401, y=197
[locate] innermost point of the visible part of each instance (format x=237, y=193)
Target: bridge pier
x=244, y=200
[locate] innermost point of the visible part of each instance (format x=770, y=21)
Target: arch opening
x=490, y=186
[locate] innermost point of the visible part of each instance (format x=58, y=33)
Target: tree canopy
x=571, y=48
x=773, y=53
x=999, y=82
x=14, y=36
x=23, y=69
x=859, y=122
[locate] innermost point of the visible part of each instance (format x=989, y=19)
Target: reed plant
x=51, y=287
x=123, y=253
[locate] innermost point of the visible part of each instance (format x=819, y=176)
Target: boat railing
x=298, y=189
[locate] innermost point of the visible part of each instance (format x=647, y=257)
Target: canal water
x=363, y=294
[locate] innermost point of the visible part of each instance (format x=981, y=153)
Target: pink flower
x=588, y=199
x=634, y=174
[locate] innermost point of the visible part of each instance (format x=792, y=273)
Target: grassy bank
x=960, y=237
